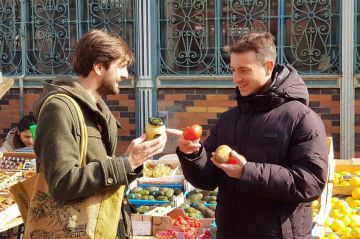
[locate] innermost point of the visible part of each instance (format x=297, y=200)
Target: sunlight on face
x=249, y=75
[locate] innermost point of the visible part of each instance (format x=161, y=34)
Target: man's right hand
x=140, y=150
x=185, y=146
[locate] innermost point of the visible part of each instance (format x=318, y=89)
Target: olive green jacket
x=57, y=145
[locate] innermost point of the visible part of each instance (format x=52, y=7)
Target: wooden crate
x=349, y=165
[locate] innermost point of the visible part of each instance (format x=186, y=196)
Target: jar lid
x=154, y=121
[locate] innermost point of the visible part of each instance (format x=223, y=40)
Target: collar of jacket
x=268, y=98
x=70, y=87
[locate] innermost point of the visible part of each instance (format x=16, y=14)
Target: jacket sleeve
x=197, y=168
x=57, y=149
x=305, y=177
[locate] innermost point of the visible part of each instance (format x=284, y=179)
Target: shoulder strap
x=83, y=131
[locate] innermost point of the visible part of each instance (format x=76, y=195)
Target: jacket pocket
x=270, y=147
x=96, y=149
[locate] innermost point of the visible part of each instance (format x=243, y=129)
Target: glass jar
x=154, y=128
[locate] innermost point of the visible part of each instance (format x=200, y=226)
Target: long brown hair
x=98, y=46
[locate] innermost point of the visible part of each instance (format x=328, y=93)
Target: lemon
x=355, y=181
x=344, y=173
x=333, y=236
x=315, y=204
x=356, y=193
x=336, y=181
x=337, y=175
x=335, y=213
x=355, y=233
x=338, y=225
x=328, y=221
x=347, y=220
x=341, y=204
x=356, y=173
x=344, y=183
x=355, y=221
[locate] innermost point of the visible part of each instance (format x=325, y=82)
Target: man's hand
x=232, y=170
x=140, y=150
x=185, y=146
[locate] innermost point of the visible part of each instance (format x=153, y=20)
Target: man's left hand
x=234, y=170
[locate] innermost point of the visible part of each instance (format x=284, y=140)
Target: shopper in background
x=277, y=141
x=19, y=137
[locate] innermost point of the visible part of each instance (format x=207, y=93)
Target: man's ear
x=269, y=67
x=98, y=68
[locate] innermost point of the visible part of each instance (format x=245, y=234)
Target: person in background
x=277, y=142
x=20, y=136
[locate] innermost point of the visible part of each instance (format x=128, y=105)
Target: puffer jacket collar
x=286, y=85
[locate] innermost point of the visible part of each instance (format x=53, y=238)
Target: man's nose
x=125, y=73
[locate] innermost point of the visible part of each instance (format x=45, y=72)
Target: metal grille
x=193, y=33
x=52, y=29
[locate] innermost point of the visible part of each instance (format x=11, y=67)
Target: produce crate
x=16, y=161
x=161, y=223
x=349, y=165
x=177, y=201
x=325, y=198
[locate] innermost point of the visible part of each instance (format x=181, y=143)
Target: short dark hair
x=98, y=46
x=263, y=43
x=26, y=122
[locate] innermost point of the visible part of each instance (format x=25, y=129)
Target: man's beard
x=108, y=87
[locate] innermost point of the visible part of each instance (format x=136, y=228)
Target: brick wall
x=204, y=106
x=122, y=106
x=184, y=107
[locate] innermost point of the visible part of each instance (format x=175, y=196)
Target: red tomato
x=192, y=132
x=232, y=161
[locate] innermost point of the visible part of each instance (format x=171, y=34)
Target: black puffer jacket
x=283, y=141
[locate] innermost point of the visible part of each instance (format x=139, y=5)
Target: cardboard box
x=349, y=165
x=141, y=224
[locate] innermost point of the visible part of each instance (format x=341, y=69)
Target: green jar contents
x=154, y=128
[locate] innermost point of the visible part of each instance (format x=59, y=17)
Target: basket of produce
x=165, y=170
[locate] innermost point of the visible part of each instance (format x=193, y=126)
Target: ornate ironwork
x=240, y=16
x=52, y=29
x=10, y=40
x=312, y=36
x=357, y=36
x=51, y=37
x=115, y=16
x=187, y=43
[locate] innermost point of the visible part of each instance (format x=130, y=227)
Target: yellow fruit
x=356, y=173
x=333, y=236
x=315, y=204
x=334, y=200
x=355, y=181
x=337, y=175
x=335, y=213
x=222, y=154
x=341, y=204
x=346, y=211
x=355, y=221
x=355, y=203
x=347, y=220
x=355, y=233
x=345, y=173
x=356, y=193
x=328, y=221
x=336, y=181
x=344, y=183
x=338, y=225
